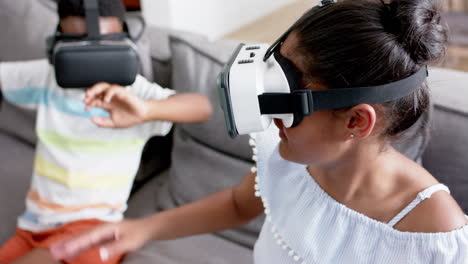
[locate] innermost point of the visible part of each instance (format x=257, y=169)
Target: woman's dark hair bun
x=418, y=27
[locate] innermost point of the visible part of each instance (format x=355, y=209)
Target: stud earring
x=352, y=135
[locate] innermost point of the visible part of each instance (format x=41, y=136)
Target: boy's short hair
x=107, y=8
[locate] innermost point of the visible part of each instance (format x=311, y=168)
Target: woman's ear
x=361, y=121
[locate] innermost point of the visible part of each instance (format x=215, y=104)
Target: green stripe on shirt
x=75, y=179
x=90, y=146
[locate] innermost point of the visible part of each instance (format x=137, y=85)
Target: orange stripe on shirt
x=43, y=203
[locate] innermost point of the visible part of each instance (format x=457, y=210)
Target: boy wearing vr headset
x=332, y=187
x=84, y=169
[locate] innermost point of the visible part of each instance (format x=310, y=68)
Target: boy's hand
x=112, y=239
x=125, y=109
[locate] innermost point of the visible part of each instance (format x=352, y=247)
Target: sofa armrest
x=447, y=151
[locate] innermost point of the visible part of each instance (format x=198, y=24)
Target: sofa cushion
x=139, y=32
x=202, y=249
x=18, y=123
x=16, y=162
x=447, y=152
x=449, y=88
x=204, y=158
x=197, y=171
x=160, y=55
x=25, y=25
x=196, y=63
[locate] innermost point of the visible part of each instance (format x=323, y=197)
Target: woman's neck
x=361, y=172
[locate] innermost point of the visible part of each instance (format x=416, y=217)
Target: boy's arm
x=180, y=108
x=130, y=106
x=24, y=83
x=165, y=105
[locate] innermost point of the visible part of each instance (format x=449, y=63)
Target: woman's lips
x=280, y=126
x=282, y=135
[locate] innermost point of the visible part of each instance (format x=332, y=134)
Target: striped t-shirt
x=81, y=171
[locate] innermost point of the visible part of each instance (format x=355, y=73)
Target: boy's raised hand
x=125, y=109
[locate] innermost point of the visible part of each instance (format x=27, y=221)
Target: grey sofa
x=199, y=159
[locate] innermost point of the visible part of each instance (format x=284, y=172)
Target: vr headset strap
x=92, y=18
x=299, y=102
x=347, y=97
x=306, y=101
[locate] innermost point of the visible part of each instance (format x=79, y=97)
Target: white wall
x=213, y=18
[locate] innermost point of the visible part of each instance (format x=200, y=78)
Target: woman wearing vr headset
x=334, y=190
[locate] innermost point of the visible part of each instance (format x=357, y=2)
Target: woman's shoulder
x=437, y=213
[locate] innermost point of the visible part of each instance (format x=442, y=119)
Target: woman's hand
x=125, y=109
x=228, y=208
x=113, y=239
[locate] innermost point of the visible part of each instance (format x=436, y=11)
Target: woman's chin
x=284, y=151
x=289, y=154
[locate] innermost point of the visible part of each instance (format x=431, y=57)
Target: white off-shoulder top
x=306, y=225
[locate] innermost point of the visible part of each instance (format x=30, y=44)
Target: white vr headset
x=259, y=84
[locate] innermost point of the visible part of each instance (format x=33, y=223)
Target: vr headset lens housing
x=81, y=61
x=81, y=64
x=259, y=84
x=254, y=91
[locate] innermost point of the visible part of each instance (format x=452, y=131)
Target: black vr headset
x=259, y=84
x=81, y=61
